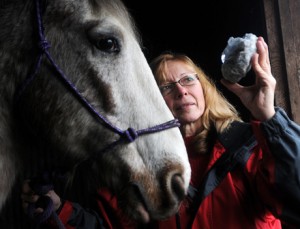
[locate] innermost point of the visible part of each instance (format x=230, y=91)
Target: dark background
x=199, y=29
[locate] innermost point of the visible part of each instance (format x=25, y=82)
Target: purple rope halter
x=128, y=135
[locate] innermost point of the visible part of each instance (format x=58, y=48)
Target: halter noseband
x=128, y=135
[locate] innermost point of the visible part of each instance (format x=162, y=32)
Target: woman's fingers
x=29, y=197
x=28, y=194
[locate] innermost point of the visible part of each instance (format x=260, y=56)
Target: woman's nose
x=180, y=90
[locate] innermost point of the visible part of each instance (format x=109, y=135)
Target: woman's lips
x=185, y=106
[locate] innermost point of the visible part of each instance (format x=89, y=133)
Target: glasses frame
x=172, y=84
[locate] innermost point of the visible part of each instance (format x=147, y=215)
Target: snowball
x=236, y=57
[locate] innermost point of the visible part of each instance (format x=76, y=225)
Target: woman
x=248, y=196
x=251, y=196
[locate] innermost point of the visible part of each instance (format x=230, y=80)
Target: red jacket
x=234, y=203
x=248, y=197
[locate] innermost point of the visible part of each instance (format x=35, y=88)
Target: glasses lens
x=188, y=80
x=166, y=89
x=184, y=81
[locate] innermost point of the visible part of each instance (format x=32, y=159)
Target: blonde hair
x=218, y=113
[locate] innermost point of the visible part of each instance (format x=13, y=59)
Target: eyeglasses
x=187, y=80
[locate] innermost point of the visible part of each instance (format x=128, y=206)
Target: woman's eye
x=186, y=80
x=109, y=45
x=167, y=87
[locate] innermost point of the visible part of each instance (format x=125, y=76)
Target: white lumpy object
x=236, y=57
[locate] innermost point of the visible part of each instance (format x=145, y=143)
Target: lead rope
x=41, y=185
x=128, y=135
x=48, y=209
x=177, y=217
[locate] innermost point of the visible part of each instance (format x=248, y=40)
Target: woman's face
x=185, y=102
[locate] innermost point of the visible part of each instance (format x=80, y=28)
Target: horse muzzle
x=144, y=201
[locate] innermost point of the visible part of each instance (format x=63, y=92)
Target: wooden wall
x=283, y=34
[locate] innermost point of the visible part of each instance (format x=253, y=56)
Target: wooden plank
x=274, y=40
x=289, y=10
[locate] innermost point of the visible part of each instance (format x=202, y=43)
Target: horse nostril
x=177, y=185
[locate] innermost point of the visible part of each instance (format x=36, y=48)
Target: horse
x=77, y=93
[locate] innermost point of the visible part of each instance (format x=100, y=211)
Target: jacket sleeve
x=72, y=216
x=281, y=163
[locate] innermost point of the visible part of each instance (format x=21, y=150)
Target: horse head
x=82, y=96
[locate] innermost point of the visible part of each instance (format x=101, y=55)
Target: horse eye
x=109, y=45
